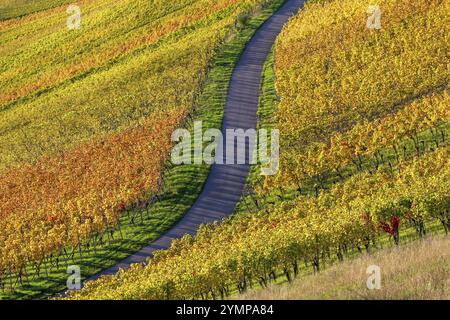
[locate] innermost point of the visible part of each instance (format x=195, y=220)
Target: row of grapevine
x=369, y=139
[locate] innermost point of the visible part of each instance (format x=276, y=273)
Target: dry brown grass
x=420, y=270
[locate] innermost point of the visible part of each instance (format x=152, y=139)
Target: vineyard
x=364, y=124
x=155, y=59
x=85, y=134
x=359, y=92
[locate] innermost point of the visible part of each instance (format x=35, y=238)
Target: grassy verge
x=182, y=185
x=419, y=270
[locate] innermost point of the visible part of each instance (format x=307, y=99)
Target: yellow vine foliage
x=346, y=90
x=137, y=57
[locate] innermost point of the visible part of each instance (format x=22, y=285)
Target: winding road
x=225, y=183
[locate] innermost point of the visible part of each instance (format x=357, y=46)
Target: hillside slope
x=364, y=120
x=85, y=134
x=419, y=270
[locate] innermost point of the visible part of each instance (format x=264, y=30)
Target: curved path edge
x=225, y=183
